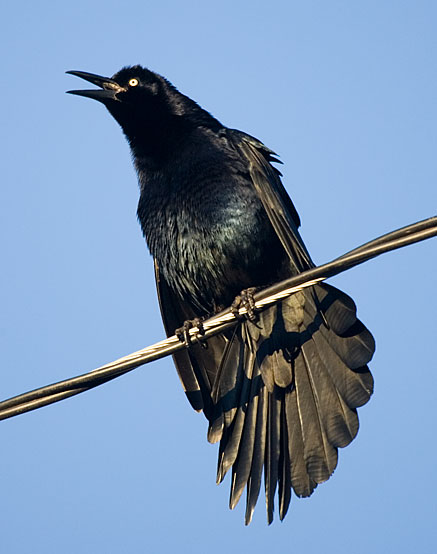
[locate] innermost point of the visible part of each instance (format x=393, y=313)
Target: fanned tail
x=286, y=394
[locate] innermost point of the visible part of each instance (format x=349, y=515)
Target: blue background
x=346, y=93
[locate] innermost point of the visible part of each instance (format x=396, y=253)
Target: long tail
x=286, y=394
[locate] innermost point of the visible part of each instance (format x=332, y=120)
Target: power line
x=55, y=392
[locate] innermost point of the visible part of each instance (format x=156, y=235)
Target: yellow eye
x=133, y=82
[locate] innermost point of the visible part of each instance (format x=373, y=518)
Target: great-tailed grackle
x=281, y=392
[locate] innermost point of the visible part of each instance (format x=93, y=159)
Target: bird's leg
x=183, y=333
x=245, y=300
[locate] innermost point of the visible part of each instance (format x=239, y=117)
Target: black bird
x=280, y=393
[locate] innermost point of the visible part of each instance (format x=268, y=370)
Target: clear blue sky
x=346, y=93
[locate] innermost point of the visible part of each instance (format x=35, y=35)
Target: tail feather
x=348, y=339
x=338, y=309
x=339, y=421
x=286, y=393
x=236, y=426
x=273, y=450
x=355, y=351
x=226, y=388
x=303, y=485
x=241, y=469
x=259, y=450
x=284, y=491
x=355, y=386
x=320, y=456
x=354, y=345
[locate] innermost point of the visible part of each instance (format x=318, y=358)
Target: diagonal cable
x=55, y=392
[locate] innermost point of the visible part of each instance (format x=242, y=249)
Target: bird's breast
x=210, y=245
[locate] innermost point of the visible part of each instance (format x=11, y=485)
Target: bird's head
x=132, y=93
x=149, y=108
x=131, y=85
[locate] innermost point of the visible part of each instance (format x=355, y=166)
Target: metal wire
x=64, y=389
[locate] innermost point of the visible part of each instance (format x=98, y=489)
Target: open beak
x=108, y=87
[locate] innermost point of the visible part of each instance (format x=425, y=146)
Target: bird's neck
x=151, y=140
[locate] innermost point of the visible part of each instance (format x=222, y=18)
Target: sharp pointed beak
x=108, y=87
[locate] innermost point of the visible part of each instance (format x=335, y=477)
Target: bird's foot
x=245, y=300
x=183, y=333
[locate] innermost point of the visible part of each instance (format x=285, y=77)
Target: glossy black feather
x=280, y=394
